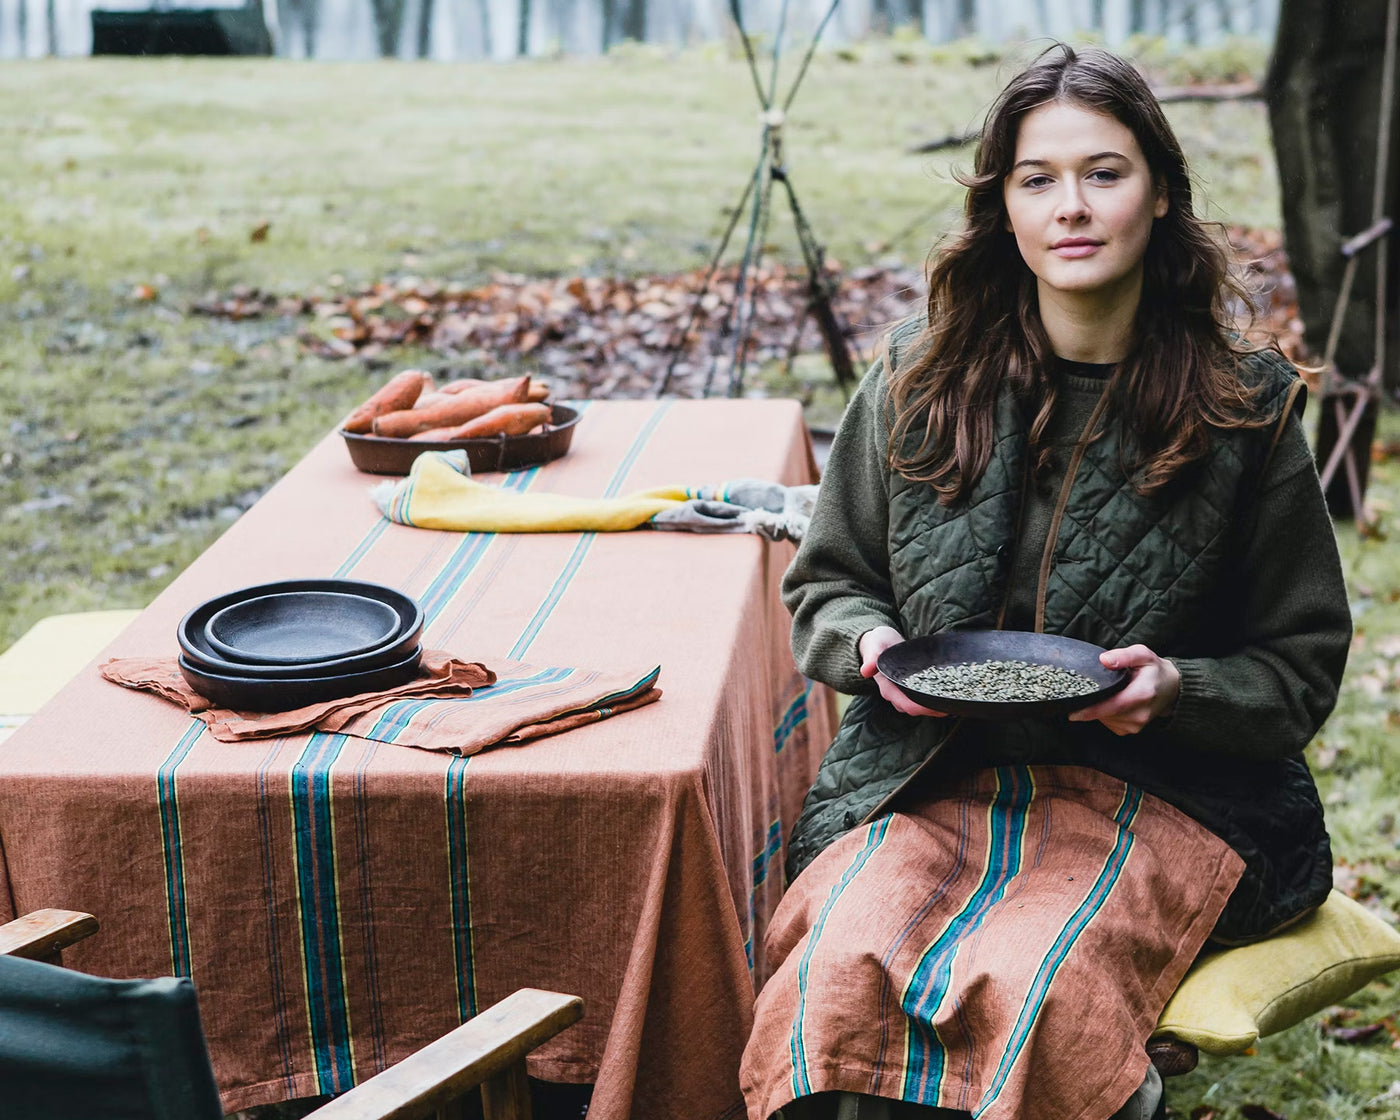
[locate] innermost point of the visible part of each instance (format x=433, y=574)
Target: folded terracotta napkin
x=452, y=705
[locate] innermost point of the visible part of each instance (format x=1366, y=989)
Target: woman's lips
x=1076, y=248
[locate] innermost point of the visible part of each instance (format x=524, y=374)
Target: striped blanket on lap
x=1003, y=948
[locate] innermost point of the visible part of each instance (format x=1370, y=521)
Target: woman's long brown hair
x=984, y=329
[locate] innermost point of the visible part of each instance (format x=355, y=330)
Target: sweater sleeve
x=838, y=585
x=1267, y=700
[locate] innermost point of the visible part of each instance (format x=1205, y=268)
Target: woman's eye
x=1034, y=181
x=1104, y=175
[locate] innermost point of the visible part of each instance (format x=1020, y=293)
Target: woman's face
x=1081, y=201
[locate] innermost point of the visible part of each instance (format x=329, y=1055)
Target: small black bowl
x=197, y=651
x=249, y=694
x=956, y=647
x=301, y=627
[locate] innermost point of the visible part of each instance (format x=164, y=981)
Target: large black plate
x=300, y=627
x=248, y=694
x=201, y=656
x=955, y=647
x=380, y=455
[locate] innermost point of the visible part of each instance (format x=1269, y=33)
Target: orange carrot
x=539, y=391
x=504, y=420
x=462, y=384
x=435, y=435
x=459, y=408
x=401, y=391
x=431, y=397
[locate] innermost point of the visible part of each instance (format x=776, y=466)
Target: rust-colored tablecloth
x=341, y=902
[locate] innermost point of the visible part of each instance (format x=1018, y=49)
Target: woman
x=989, y=917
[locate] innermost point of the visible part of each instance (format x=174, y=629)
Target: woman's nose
x=1072, y=206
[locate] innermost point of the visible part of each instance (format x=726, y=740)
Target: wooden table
x=340, y=902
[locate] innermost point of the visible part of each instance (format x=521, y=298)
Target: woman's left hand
x=1151, y=691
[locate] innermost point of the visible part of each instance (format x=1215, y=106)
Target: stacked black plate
x=279, y=646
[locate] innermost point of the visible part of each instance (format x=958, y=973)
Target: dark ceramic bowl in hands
x=958, y=647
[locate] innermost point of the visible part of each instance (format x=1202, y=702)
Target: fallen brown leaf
x=596, y=335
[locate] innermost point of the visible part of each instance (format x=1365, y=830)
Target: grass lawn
x=136, y=433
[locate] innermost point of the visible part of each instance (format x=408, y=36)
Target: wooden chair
x=487, y=1051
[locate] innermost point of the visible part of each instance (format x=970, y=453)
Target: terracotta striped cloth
x=461, y=707
x=1004, y=950
x=340, y=902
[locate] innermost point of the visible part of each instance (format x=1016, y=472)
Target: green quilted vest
x=1124, y=569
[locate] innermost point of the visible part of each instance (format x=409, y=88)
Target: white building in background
x=460, y=29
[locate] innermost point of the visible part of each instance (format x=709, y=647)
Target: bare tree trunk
x=23, y=28
x=305, y=14
x=484, y=10
x=425, y=28
x=1137, y=17
x=51, y=21
x=522, y=41
x=310, y=25
x=388, y=22
x=1190, y=22
x=1324, y=93
x=1226, y=10
x=1042, y=12
x=608, y=23
x=634, y=20
x=1096, y=15
x=967, y=17
x=880, y=16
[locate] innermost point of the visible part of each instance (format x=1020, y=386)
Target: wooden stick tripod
x=1368, y=390
x=737, y=325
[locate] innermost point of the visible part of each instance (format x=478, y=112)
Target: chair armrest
x=42, y=935
x=481, y=1048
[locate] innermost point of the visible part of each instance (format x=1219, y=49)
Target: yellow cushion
x=1232, y=997
x=50, y=654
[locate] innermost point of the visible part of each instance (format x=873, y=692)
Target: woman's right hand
x=873, y=643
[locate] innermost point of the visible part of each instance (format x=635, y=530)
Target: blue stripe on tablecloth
x=585, y=541
x=769, y=848
x=359, y=807
x=318, y=907
x=176, y=911
x=269, y=859
x=924, y=1065
x=1064, y=942
x=791, y=719
x=772, y=846
x=466, y=556
x=362, y=549
x=801, y=1080
x=459, y=881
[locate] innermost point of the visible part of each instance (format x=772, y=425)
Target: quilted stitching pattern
x=1162, y=559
